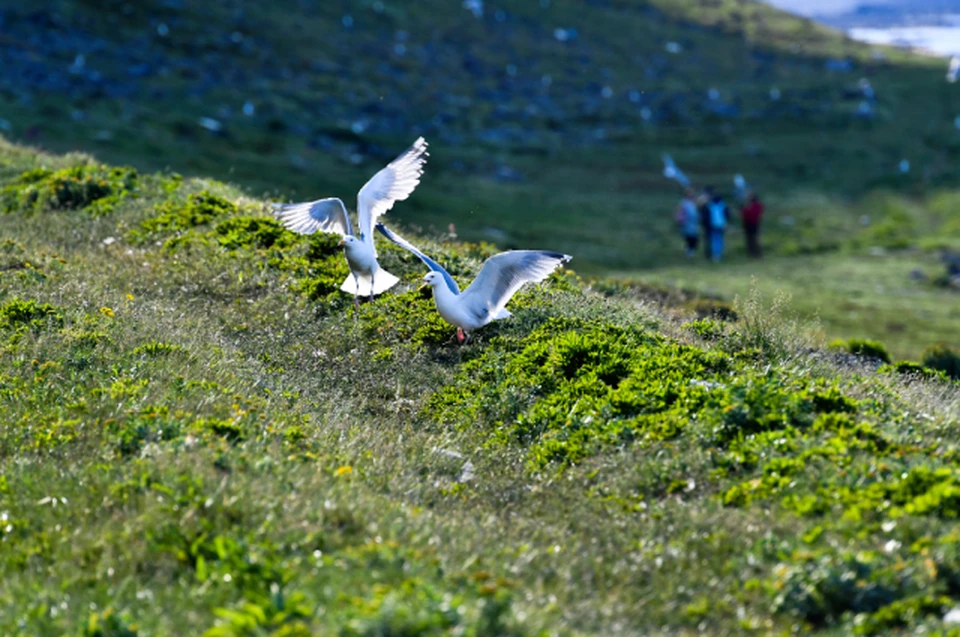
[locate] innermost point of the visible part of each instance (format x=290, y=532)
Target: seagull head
x=348, y=241
x=432, y=280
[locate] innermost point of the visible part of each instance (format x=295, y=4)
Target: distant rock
x=506, y=173
x=835, y=64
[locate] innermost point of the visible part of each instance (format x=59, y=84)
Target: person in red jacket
x=752, y=213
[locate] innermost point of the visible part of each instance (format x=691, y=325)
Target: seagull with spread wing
x=486, y=298
x=670, y=171
x=392, y=184
x=741, y=186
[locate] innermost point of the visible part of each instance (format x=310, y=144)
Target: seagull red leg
x=461, y=337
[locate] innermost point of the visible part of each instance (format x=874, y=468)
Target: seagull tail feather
x=382, y=282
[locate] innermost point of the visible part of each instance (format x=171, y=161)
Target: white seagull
x=954, y=71
x=741, y=186
x=670, y=171
x=486, y=298
x=392, y=184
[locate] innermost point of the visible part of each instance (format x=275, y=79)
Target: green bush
x=910, y=368
x=174, y=216
x=822, y=591
x=91, y=187
x=713, y=308
x=253, y=232
x=707, y=329
x=156, y=349
x=18, y=312
x=862, y=347
x=571, y=388
x=944, y=359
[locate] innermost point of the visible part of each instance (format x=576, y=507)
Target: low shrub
x=91, y=187
x=944, y=359
x=910, y=368
x=253, y=232
x=175, y=216
x=713, y=308
x=862, y=347
x=17, y=312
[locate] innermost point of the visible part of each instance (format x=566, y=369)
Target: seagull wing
x=324, y=215
x=430, y=263
x=392, y=184
x=505, y=273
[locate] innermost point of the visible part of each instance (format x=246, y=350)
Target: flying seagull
x=741, y=186
x=670, y=171
x=392, y=184
x=954, y=71
x=486, y=298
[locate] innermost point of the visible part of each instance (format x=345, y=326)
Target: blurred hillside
x=547, y=119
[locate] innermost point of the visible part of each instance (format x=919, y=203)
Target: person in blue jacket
x=714, y=215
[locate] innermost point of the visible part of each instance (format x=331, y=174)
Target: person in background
x=688, y=220
x=752, y=213
x=717, y=214
x=702, y=207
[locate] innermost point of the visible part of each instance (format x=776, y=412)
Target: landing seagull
x=392, y=184
x=486, y=298
x=954, y=69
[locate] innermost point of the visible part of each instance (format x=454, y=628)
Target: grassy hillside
x=547, y=122
x=200, y=435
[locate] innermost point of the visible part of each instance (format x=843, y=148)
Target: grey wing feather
x=392, y=184
x=505, y=273
x=430, y=263
x=323, y=215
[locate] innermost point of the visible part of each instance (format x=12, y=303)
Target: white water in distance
x=943, y=40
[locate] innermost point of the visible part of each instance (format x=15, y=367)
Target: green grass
x=194, y=441
x=852, y=296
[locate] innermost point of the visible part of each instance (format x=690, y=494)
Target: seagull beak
x=342, y=243
x=422, y=287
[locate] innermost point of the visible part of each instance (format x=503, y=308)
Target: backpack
x=718, y=214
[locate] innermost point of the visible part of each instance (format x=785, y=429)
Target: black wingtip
x=559, y=256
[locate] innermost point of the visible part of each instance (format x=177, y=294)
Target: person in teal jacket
x=714, y=215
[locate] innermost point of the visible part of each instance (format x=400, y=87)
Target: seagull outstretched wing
x=325, y=215
x=392, y=184
x=505, y=273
